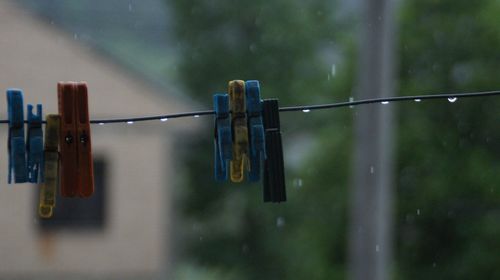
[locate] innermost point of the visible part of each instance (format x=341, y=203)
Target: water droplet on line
x=452, y=99
x=418, y=100
x=196, y=116
x=164, y=119
x=101, y=123
x=385, y=102
x=306, y=110
x=130, y=122
x=351, y=99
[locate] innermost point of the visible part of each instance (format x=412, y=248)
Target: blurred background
x=385, y=191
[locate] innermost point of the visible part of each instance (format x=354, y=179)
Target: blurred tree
x=448, y=154
x=288, y=46
x=449, y=157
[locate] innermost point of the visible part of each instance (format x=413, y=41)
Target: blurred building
x=123, y=231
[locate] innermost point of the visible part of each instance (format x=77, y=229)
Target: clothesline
x=452, y=97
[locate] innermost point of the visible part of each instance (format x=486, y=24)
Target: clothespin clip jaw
x=85, y=159
x=223, y=137
x=240, y=162
x=255, y=129
x=16, y=142
x=77, y=177
x=34, y=145
x=274, y=172
x=50, y=168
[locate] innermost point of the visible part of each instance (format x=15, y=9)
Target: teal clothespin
x=16, y=145
x=223, y=137
x=255, y=129
x=34, y=145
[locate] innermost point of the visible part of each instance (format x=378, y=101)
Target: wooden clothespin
x=17, y=146
x=34, y=144
x=274, y=172
x=222, y=140
x=240, y=161
x=51, y=167
x=77, y=174
x=255, y=129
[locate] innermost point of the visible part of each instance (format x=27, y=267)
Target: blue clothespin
x=34, y=145
x=223, y=137
x=255, y=129
x=17, y=147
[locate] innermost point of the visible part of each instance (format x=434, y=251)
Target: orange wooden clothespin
x=77, y=172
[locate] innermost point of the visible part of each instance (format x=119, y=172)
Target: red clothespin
x=77, y=172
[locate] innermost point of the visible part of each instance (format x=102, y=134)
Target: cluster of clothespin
x=65, y=159
x=248, y=136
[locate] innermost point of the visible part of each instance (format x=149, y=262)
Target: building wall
x=33, y=57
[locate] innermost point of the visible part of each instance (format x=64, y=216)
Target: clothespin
x=17, y=147
x=223, y=141
x=255, y=129
x=51, y=167
x=77, y=172
x=240, y=161
x=274, y=173
x=34, y=145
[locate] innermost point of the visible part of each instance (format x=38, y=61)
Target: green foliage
x=448, y=155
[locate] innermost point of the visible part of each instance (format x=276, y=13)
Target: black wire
x=307, y=108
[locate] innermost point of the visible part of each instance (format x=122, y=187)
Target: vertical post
x=371, y=210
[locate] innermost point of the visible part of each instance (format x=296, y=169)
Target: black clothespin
x=274, y=171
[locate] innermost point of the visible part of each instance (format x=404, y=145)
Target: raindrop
x=252, y=48
x=452, y=99
x=418, y=100
x=372, y=169
x=334, y=70
x=306, y=110
x=418, y=212
x=280, y=222
x=385, y=102
x=377, y=248
x=164, y=119
x=75, y=36
x=130, y=7
x=130, y=122
x=298, y=183
x=434, y=264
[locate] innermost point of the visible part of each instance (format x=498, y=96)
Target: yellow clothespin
x=240, y=162
x=51, y=167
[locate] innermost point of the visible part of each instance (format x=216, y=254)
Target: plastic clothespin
x=77, y=172
x=255, y=129
x=274, y=172
x=17, y=147
x=34, y=144
x=222, y=143
x=240, y=161
x=51, y=167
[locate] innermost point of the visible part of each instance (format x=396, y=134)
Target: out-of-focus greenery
x=448, y=154
x=294, y=49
